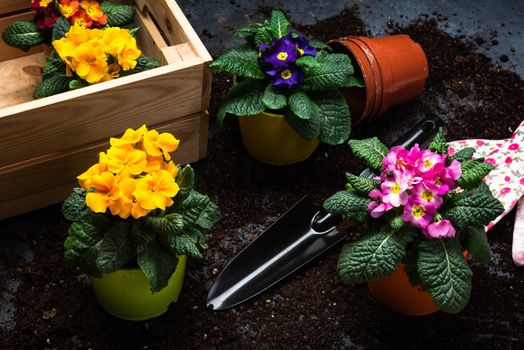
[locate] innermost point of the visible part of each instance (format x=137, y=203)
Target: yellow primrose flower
x=126, y=161
x=128, y=56
x=130, y=137
x=155, y=190
x=84, y=179
x=160, y=144
x=128, y=203
x=154, y=164
x=106, y=192
x=112, y=73
x=172, y=168
x=89, y=61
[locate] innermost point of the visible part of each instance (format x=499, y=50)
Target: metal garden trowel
x=297, y=237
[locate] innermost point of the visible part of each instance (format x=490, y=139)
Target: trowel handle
x=422, y=133
x=325, y=221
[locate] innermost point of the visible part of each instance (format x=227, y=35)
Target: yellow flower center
x=300, y=51
x=417, y=211
x=427, y=163
x=427, y=195
x=401, y=163
x=286, y=74
x=282, y=56
x=396, y=188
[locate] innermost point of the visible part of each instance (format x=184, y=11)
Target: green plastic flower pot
x=126, y=293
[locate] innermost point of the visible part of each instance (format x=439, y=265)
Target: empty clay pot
x=394, y=69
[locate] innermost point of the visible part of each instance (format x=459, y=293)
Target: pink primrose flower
x=426, y=196
x=430, y=161
x=418, y=215
x=453, y=171
x=394, y=190
x=376, y=206
x=440, y=229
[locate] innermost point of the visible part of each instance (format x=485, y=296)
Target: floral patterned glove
x=506, y=181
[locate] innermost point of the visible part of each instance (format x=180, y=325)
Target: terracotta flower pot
x=396, y=293
x=394, y=69
x=270, y=139
x=126, y=293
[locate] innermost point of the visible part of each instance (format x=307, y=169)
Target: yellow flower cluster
x=135, y=175
x=97, y=55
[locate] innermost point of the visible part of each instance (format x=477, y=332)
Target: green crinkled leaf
x=334, y=118
x=243, y=99
x=473, y=171
x=476, y=243
x=273, y=99
x=23, y=35
x=118, y=15
x=158, y=265
x=184, y=245
x=332, y=72
x=410, y=265
x=348, y=204
x=319, y=45
x=242, y=62
x=53, y=66
x=371, y=151
x=355, y=81
x=302, y=106
x=143, y=63
x=306, y=61
x=462, y=155
x=374, y=256
x=309, y=129
x=170, y=224
x=439, y=144
x=56, y=84
x=475, y=208
x=74, y=207
x=397, y=223
x=142, y=236
x=185, y=180
x=444, y=273
x=278, y=24
x=360, y=184
x=115, y=249
x=133, y=31
x=77, y=84
x=60, y=28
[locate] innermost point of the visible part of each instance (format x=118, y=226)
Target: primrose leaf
x=462, y=155
x=279, y=24
x=56, y=84
x=60, y=28
x=374, y=256
x=439, y=144
x=243, y=99
x=334, y=117
x=302, y=106
x=306, y=61
x=185, y=180
x=444, y=273
x=118, y=15
x=333, y=71
x=319, y=45
x=473, y=171
x=158, y=265
x=477, y=244
x=23, y=35
x=242, y=62
x=309, y=129
x=475, y=208
x=115, y=249
x=360, y=184
x=74, y=207
x=273, y=99
x=348, y=204
x=54, y=65
x=371, y=151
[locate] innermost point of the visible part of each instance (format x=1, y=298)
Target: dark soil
x=56, y=309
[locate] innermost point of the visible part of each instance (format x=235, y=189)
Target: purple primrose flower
x=280, y=53
x=303, y=47
x=287, y=76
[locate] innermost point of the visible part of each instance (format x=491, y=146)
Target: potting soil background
x=48, y=304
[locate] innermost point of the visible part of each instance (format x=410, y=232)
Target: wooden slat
x=49, y=181
x=7, y=6
x=19, y=78
x=148, y=37
x=78, y=117
x=7, y=52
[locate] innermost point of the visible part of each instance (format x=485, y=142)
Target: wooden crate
x=46, y=143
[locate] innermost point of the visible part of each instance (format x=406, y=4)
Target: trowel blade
x=284, y=247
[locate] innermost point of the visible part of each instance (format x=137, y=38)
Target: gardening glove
x=506, y=181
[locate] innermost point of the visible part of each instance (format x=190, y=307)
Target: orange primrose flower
x=155, y=190
x=68, y=8
x=90, y=62
x=106, y=192
x=126, y=161
x=128, y=203
x=94, y=11
x=130, y=137
x=160, y=144
x=84, y=179
x=81, y=19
